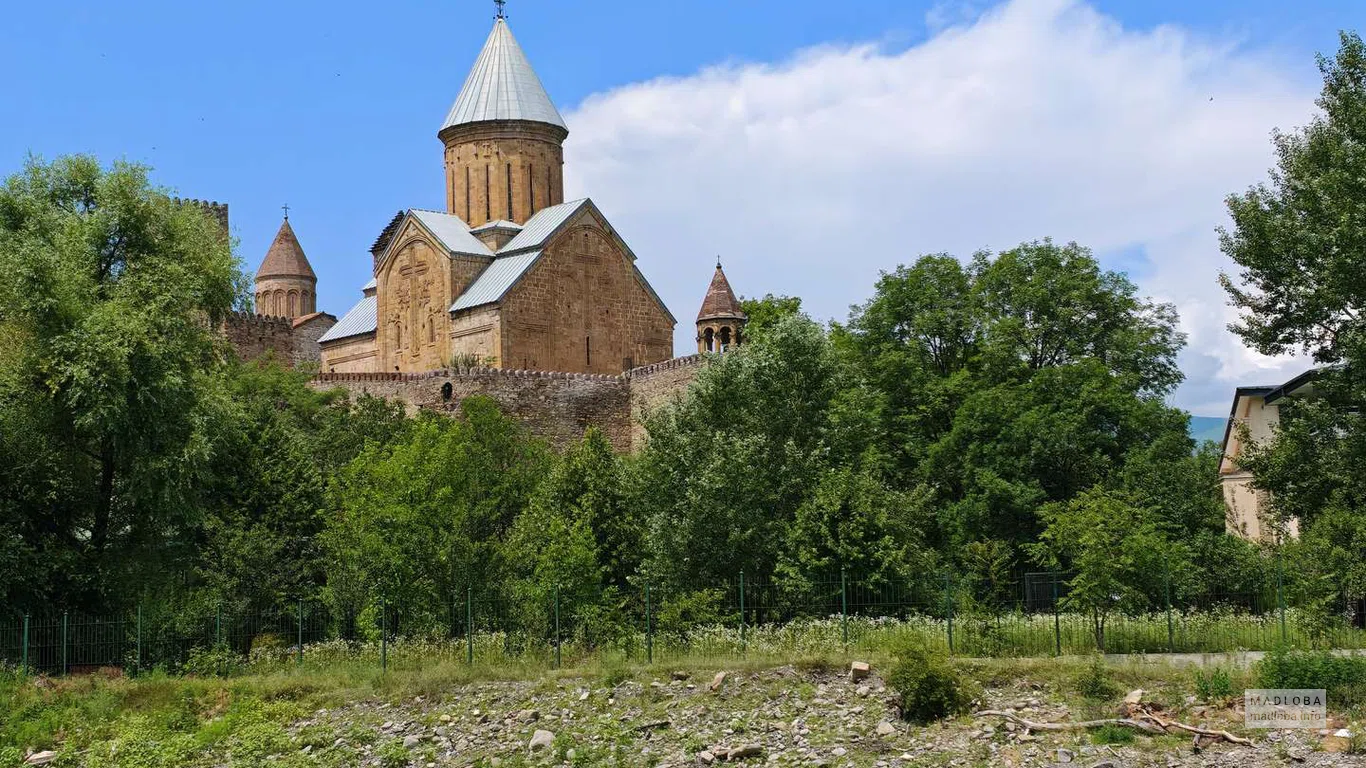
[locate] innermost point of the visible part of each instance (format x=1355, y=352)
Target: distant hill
x=1204, y=428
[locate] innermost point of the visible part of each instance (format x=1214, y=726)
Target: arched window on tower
x=709, y=337
x=292, y=307
x=725, y=338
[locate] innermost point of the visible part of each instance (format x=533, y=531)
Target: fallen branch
x=1082, y=726
x=1225, y=735
x=1157, y=727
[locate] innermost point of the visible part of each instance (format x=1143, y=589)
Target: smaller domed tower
x=720, y=322
x=285, y=283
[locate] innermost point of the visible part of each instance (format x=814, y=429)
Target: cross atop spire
x=286, y=207
x=502, y=14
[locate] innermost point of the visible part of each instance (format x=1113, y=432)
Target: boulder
x=718, y=681
x=858, y=670
x=541, y=740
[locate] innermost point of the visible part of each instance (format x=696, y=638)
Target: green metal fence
x=1031, y=616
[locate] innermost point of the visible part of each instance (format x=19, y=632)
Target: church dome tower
x=503, y=138
x=721, y=321
x=285, y=283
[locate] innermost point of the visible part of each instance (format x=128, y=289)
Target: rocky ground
x=781, y=717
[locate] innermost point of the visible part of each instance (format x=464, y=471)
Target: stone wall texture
x=557, y=407
x=584, y=308
x=254, y=336
x=481, y=160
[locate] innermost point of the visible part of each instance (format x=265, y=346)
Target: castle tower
x=285, y=283
x=503, y=137
x=721, y=321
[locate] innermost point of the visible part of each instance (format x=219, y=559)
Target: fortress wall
x=655, y=385
x=557, y=407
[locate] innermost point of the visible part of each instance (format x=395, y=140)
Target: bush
x=928, y=687
x=1095, y=682
x=1112, y=734
x=1215, y=686
x=1343, y=677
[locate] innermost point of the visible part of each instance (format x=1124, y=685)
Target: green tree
x=1298, y=240
x=853, y=522
x=422, y=517
x=765, y=313
x=108, y=315
x=726, y=468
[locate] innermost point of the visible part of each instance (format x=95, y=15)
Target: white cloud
x=1037, y=118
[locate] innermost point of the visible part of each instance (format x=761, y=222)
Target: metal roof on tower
x=502, y=86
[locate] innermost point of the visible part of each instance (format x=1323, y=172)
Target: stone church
x=511, y=292
x=510, y=275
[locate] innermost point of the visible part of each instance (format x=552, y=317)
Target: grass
x=161, y=720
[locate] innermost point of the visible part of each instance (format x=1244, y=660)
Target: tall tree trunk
x=99, y=529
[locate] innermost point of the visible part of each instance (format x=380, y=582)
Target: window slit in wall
x=509, y=191
x=488, y=199
x=530, y=190
x=467, y=193
x=588, y=351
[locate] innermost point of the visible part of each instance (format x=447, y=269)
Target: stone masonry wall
x=254, y=336
x=557, y=407
x=655, y=385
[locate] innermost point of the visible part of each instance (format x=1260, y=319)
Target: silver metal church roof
x=502, y=86
x=493, y=283
x=360, y=320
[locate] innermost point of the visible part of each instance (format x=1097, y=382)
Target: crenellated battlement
x=555, y=405
x=219, y=211
x=687, y=361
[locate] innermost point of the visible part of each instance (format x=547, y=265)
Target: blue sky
x=333, y=108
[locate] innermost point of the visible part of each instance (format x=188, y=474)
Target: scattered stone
x=411, y=740
x=718, y=681
x=862, y=691
x=858, y=670
x=885, y=728
x=747, y=750
x=1063, y=756
x=679, y=674
x=528, y=716
x=541, y=740
x=445, y=718
x=839, y=751
x=705, y=757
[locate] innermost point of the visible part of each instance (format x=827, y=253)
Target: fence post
x=301, y=632
x=557, y=626
x=1057, y=623
x=743, y=644
x=24, y=667
x=844, y=607
x=383, y=634
x=218, y=627
x=66, y=619
x=137, y=662
x=1167, y=587
x=649, y=629
x=948, y=605
x=469, y=624
x=1280, y=596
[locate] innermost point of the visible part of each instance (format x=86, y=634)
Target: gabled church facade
x=509, y=275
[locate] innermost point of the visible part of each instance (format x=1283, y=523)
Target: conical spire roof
x=720, y=301
x=285, y=258
x=502, y=86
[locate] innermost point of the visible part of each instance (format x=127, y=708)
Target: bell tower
x=285, y=283
x=721, y=321
x=503, y=138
